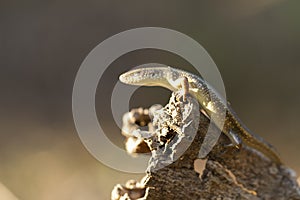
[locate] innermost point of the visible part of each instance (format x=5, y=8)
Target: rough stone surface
x=229, y=173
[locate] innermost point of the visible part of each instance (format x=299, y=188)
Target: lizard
x=209, y=99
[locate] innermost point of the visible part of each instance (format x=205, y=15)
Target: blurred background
x=255, y=44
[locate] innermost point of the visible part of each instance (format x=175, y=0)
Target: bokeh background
x=255, y=44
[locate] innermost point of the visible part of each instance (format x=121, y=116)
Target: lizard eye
x=152, y=74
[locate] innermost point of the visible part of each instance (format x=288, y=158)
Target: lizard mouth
x=123, y=78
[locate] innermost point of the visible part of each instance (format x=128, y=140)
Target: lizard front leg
x=181, y=84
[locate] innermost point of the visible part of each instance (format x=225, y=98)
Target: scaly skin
x=213, y=104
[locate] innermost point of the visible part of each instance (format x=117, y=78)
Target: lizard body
x=208, y=98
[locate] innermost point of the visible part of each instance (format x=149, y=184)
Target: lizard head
x=149, y=76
